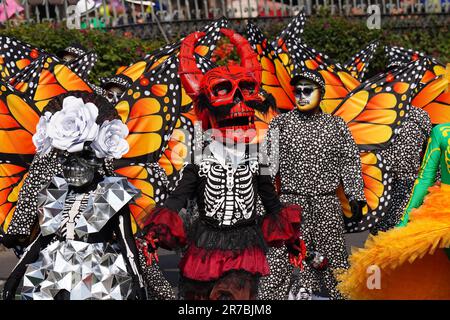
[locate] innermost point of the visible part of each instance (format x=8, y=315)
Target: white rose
x=72, y=126
x=110, y=141
x=41, y=140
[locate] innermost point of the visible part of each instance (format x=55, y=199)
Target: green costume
x=436, y=157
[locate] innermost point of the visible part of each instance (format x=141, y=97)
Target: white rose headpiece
x=75, y=124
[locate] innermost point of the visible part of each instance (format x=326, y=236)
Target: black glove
x=294, y=248
x=137, y=292
x=357, y=208
x=9, y=290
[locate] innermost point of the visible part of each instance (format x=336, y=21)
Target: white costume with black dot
x=404, y=159
x=313, y=154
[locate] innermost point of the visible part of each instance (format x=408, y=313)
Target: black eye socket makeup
x=307, y=90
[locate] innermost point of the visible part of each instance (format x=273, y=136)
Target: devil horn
x=248, y=56
x=190, y=74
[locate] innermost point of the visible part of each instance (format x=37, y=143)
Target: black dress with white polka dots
x=404, y=157
x=313, y=154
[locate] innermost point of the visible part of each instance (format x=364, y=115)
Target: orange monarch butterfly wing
x=377, y=187
x=150, y=181
x=150, y=109
x=12, y=177
x=15, y=56
x=50, y=79
x=18, y=120
x=275, y=76
x=359, y=63
x=83, y=65
x=398, y=56
x=293, y=31
x=376, y=109
x=338, y=81
x=180, y=148
x=434, y=98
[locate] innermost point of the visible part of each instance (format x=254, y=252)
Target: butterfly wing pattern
x=377, y=188
x=48, y=78
x=276, y=77
x=15, y=55
x=18, y=120
x=149, y=109
x=375, y=110
x=358, y=64
x=433, y=96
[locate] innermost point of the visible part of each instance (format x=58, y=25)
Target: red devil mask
x=225, y=98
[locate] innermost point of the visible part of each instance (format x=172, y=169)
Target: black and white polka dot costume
x=404, y=159
x=313, y=154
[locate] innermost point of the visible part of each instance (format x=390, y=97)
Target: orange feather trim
x=407, y=262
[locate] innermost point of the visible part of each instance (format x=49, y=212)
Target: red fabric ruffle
x=283, y=227
x=208, y=265
x=168, y=227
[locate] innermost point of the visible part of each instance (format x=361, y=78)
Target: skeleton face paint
x=307, y=95
x=69, y=57
x=79, y=168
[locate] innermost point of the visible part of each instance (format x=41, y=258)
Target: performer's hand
x=137, y=292
x=317, y=261
x=357, y=208
x=149, y=246
x=9, y=290
x=297, y=252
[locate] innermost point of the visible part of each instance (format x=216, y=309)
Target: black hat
x=119, y=80
x=75, y=49
x=299, y=53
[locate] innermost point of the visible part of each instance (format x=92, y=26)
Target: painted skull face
x=80, y=168
x=307, y=95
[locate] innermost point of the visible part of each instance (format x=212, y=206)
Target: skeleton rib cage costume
x=228, y=236
x=226, y=245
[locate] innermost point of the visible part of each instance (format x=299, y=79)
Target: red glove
x=297, y=252
x=149, y=246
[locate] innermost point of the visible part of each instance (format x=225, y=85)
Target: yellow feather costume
x=411, y=260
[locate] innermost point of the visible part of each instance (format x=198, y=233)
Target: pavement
x=168, y=260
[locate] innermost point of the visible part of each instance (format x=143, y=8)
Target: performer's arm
x=129, y=250
x=184, y=190
x=281, y=224
x=351, y=175
x=427, y=174
x=164, y=222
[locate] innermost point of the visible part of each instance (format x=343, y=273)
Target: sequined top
x=313, y=154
